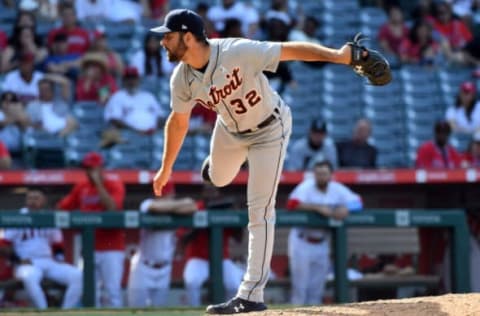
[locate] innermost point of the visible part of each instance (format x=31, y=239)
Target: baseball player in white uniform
x=253, y=124
x=309, y=248
x=32, y=248
x=151, y=266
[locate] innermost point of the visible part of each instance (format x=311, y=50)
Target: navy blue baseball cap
x=181, y=20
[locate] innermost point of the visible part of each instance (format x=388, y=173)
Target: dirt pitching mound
x=445, y=305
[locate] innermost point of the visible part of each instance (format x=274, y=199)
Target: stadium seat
x=119, y=158
x=43, y=150
x=373, y=17
x=89, y=115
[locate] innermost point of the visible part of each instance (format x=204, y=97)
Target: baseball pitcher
x=253, y=124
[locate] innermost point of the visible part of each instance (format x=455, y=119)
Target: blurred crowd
x=49, y=73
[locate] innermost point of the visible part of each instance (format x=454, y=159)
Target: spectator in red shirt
x=98, y=194
x=95, y=83
x=202, y=120
x=393, y=32
x=420, y=47
x=195, y=242
x=78, y=38
x=5, y=159
x=455, y=31
x=438, y=153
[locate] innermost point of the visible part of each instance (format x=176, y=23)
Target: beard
x=176, y=54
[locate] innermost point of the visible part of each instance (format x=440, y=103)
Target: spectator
x=151, y=266
x=23, y=41
x=202, y=10
x=150, y=61
x=307, y=33
x=233, y=28
x=315, y=147
x=25, y=19
x=99, y=193
x=393, y=32
x=357, y=152
x=218, y=14
x=195, y=243
x=78, y=38
x=24, y=81
x=44, y=9
x=13, y=121
x=100, y=45
x=5, y=159
x=279, y=10
x=50, y=114
x=155, y=9
x=309, y=248
x=438, y=153
x=60, y=61
x=124, y=11
x=202, y=120
x=277, y=31
x=95, y=83
x=38, y=253
x=132, y=108
x=472, y=156
x=420, y=47
x=464, y=117
x=455, y=31
x=91, y=11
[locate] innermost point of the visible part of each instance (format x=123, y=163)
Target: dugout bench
x=216, y=221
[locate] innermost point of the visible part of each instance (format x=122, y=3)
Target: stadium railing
x=216, y=221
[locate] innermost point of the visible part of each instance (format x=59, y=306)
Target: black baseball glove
x=369, y=63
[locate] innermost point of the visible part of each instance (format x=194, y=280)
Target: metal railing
x=216, y=221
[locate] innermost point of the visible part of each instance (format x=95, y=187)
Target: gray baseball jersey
x=253, y=124
x=233, y=84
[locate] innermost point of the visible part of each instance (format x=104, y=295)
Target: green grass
x=106, y=312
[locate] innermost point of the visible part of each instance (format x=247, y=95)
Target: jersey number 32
x=252, y=99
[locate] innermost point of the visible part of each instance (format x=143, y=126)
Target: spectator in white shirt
x=91, y=10
x=132, y=108
x=24, y=81
x=231, y=9
x=50, y=114
x=464, y=116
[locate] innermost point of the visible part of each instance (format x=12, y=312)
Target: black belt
x=312, y=240
x=156, y=265
x=263, y=124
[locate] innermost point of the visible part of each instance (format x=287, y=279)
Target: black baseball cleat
x=236, y=305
